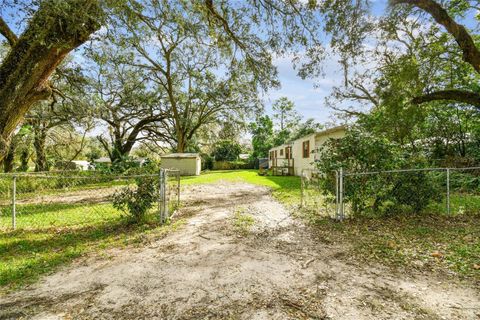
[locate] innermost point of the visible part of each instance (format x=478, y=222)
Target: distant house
x=243, y=156
x=82, y=165
x=103, y=160
x=293, y=157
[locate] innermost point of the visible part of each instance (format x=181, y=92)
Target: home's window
x=306, y=149
x=270, y=155
x=275, y=154
x=288, y=152
x=281, y=152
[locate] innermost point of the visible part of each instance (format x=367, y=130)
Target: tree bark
x=9, y=160
x=468, y=97
x=54, y=30
x=181, y=143
x=24, y=157
x=41, y=163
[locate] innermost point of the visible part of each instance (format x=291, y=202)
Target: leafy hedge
x=377, y=194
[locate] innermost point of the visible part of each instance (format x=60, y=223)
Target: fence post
x=165, y=194
x=178, y=189
x=160, y=195
x=14, y=203
x=302, y=181
x=340, y=192
x=336, y=194
x=448, y=191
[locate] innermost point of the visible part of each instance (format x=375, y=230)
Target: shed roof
x=103, y=160
x=181, y=155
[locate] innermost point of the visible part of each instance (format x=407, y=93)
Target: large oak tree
x=54, y=30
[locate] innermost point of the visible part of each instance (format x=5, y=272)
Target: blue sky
x=309, y=94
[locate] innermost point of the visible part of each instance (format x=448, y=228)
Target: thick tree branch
x=7, y=33
x=468, y=97
x=224, y=24
x=25, y=71
x=471, y=54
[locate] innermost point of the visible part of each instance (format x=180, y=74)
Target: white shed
x=189, y=164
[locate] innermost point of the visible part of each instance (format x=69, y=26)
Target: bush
x=227, y=150
x=233, y=165
x=137, y=201
x=376, y=194
x=207, y=161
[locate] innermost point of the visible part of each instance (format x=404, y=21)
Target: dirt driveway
x=220, y=267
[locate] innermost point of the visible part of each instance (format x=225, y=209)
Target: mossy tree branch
x=55, y=29
x=7, y=32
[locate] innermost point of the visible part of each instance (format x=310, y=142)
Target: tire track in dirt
x=277, y=269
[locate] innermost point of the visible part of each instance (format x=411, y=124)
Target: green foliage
x=233, y=165
x=262, y=135
x=207, y=161
x=226, y=150
x=137, y=201
x=281, y=137
x=285, y=113
x=304, y=128
x=376, y=194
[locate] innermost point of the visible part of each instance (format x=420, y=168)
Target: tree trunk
x=181, y=143
x=9, y=160
x=24, y=157
x=55, y=29
x=41, y=163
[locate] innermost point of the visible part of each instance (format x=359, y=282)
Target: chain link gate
x=168, y=190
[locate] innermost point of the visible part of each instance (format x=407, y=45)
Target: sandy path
x=208, y=270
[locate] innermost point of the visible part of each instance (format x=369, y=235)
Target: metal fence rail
x=451, y=190
x=26, y=196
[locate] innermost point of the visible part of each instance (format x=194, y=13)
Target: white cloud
x=309, y=94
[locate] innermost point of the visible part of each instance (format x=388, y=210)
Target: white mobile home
x=291, y=158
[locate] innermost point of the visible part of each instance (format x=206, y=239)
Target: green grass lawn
x=54, y=234
x=285, y=188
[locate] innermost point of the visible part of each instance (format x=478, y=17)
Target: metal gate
x=168, y=193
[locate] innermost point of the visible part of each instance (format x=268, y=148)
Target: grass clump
x=242, y=222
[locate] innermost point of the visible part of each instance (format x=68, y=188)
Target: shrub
x=207, y=161
x=227, y=150
x=233, y=165
x=137, y=201
x=376, y=194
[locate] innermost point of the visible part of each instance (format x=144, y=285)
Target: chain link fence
x=315, y=198
x=64, y=198
x=342, y=194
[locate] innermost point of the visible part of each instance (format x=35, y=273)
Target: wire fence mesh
x=314, y=196
x=63, y=198
x=437, y=190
